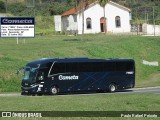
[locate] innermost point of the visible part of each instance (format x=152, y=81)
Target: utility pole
x=6, y=7
x=137, y=20
x=30, y=6
x=145, y=16
x=82, y=5
x=82, y=13
x=153, y=21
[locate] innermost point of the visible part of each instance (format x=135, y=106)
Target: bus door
x=57, y=72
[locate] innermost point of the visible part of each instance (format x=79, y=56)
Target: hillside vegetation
x=141, y=9
x=13, y=56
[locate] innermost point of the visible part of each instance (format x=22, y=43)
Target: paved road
x=153, y=90
x=149, y=90
x=11, y=94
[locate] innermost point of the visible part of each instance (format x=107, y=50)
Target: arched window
x=88, y=23
x=118, y=21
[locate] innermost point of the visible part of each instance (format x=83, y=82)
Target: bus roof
x=46, y=60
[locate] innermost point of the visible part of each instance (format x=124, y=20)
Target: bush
x=17, y=9
x=2, y=7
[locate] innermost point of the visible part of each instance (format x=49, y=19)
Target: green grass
x=94, y=102
x=13, y=56
x=44, y=25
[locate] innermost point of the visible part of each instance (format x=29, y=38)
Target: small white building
x=117, y=18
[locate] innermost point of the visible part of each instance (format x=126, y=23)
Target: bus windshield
x=30, y=73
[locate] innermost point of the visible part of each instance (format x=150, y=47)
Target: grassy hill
x=13, y=56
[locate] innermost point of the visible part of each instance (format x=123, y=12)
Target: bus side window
x=58, y=68
x=130, y=66
x=84, y=67
x=41, y=75
x=109, y=66
x=91, y=67
x=124, y=66
x=72, y=67
x=97, y=67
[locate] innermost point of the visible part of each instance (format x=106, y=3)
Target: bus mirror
x=17, y=72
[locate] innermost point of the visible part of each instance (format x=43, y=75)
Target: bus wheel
x=112, y=87
x=39, y=94
x=54, y=90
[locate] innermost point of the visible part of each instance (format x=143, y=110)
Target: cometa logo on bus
x=73, y=77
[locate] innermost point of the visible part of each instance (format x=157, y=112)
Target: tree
x=103, y=4
x=2, y=6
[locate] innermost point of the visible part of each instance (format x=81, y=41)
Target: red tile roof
x=70, y=12
x=85, y=4
x=78, y=8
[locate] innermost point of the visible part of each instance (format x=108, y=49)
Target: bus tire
x=54, y=90
x=39, y=94
x=112, y=87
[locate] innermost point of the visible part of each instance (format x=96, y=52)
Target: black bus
x=66, y=75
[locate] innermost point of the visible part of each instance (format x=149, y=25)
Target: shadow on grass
x=125, y=91
x=89, y=93
x=79, y=39
x=72, y=40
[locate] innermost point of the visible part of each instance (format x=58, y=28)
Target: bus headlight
x=34, y=85
x=40, y=85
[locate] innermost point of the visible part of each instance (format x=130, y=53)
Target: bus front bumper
x=29, y=90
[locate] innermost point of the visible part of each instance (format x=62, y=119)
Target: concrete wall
x=69, y=23
x=58, y=24
x=151, y=29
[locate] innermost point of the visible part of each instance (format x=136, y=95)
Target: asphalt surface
x=149, y=90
